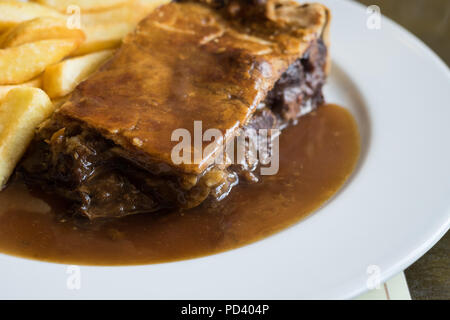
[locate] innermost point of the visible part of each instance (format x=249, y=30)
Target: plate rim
x=406, y=259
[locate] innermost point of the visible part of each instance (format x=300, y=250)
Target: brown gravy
x=316, y=158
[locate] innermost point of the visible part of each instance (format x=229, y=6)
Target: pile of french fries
x=47, y=47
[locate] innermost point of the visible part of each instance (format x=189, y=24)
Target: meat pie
x=230, y=64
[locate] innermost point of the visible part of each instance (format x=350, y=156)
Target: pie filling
x=102, y=180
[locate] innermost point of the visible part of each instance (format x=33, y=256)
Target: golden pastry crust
x=190, y=61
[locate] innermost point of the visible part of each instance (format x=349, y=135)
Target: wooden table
x=429, y=277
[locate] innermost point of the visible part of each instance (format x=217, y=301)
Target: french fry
x=131, y=13
x=84, y=5
x=14, y=12
x=20, y=113
x=153, y=3
x=105, y=30
x=36, y=83
x=62, y=78
x=40, y=29
x=102, y=37
x=22, y=63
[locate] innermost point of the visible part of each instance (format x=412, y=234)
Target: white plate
x=394, y=208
